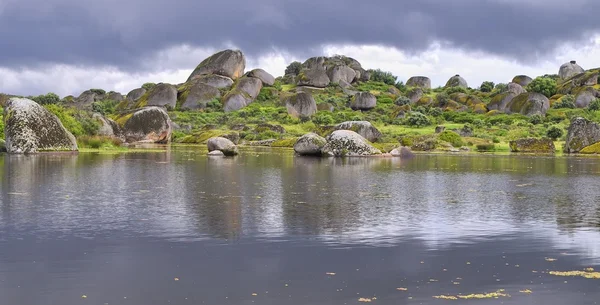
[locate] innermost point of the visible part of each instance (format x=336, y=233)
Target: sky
x=68, y=46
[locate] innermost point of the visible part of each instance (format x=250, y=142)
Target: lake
x=268, y=227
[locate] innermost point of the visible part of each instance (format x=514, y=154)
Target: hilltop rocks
x=266, y=78
x=227, y=63
x=88, y=97
x=310, y=144
x=586, y=96
x=244, y=92
x=456, y=81
x=164, y=95
x=300, y=105
x=223, y=145
x=30, y=128
x=569, y=69
x=528, y=104
x=532, y=145
x=196, y=95
x=500, y=101
x=321, y=71
x=582, y=133
x=415, y=95
x=313, y=78
x=348, y=143
x=149, y=124
x=342, y=73
x=135, y=94
x=363, y=128
x=214, y=80
x=363, y=101
x=115, y=96
x=522, y=80
x=574, y=84
x=419, y=81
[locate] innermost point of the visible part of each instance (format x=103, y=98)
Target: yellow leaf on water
x=548, y=259
x=176, y=279
x=365, y=300
x=254, y=294
x=84, y=296
x=585, y=274
x=525, y=291
x=445, y=297
x=402, y=289
x=589, y=269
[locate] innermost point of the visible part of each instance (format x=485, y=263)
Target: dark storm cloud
x=126, y=32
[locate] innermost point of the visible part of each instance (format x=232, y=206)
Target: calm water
x=176, y=227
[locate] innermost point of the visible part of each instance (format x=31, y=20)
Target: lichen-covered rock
x=577, y=82
x=135, y=94
x=115, y=96
x=415, y=95
x=456, y=81
x=522, y=80
x=528, y=104
x=586, y=96
x=419, y=81
x=321, y=71
x=402, y=152
x=214, y=80
x=310, y=144
x=222, y=144
x=87, y=98
x=531, y=145
x=149, y=124
x=164, y=95
x=341, y=73
x=300, y=105
x=244, y=92
x=500, y=101
x=196, y=95
x=108, y=127
x=582, y=133
x=313, y=78
x=229, y=63
x=342, y=143
x=325, y=107
x=363, y=101
x=424, y=101
x=569, y=69
x=266, y=78
x=30, y=128
x=363, y=128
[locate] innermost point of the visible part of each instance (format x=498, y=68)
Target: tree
x=47, y=99
x=383, y=76
x=293, y=68
x=486, y=86
x=544, y=85
x=148, y=86
x=554, y=132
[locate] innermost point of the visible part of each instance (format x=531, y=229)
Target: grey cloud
x=124, y=33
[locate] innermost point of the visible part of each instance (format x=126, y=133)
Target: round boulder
x=310, y=144
x=363, y=128
x=586, y=96
x=229, y=63
x=149, y=124
x=214, y=80
x=313, y=78
x=223, y=145
x=266, y=78
x=343, y=143
x=341, y=74
x=500, y=101
x=528, y=104
x=135, y=94
x=30, y=128
x=244, y=92
x=108, y=127
x=363, y=101
x=162, y=95
x=197, y=95
x=301, y=105
x=522, y=80
x=419, y=82
x=569, y=70
x=456, y=81
x=402, y=152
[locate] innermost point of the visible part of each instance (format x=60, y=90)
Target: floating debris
x=330, y=273
x=456, y=283
x=548, y=259
x=365, y=300
x=433, y=280
x=254, y=294
x=490, y=295
x=589, y=269
x=176, y=279
x=527, y=291
x=445, y=297
x=84, y=296
x=585, y=274
x=402, y=289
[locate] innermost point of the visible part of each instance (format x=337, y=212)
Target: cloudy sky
x=67, y=46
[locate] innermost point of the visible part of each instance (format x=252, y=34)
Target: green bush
x=417, y=119
x=452, y=138
x=98, y=91
x=148, y=86
x=478, y=123
x=105, y=107
x=46, y=99
x=323, y=118
x=384, y=100
x=79, y=123
x=1, y=123
x=293, y=68
x=435, y=112
x=566, y=102
x=554, y=132
x=97, y=142
x=485, y=147
x=451, y=90
x=402, y=100
x=544, y=85
x=594, y=105
x=383, y=76
x=486, y=87
x=536, y=119
x=400, y=86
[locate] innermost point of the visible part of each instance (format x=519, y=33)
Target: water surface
x=177, y=227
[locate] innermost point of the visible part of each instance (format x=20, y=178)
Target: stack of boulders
x=321, y=71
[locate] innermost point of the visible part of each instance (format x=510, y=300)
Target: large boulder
x=313, y=78
x=196, y=95
x=88, y=97
x=363, y=101
x=310, y=144
x=456, y=81
x=266, y=78
x=415, y=95
x=223, y=145
x=149, y=124
x=582, y=133
x=531, y=145
x=586, y=96
x=164, y=95
x=244, y=92
x=363, y=128
x=529, y=103
x=500, y=101
x=301, y=104
x=342, y=143
x=320, y=71
x=569, y=69
x=419, y=81
x=135, y=94
x=577, y=82
x=108, y=127
x=341, y=74
x=30, y=128
x=229, y=63
x=214, y=80
x=115, y=96
x=522, y=80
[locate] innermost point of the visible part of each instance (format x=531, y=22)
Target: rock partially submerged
x=363, y=128
x=582, y=133
x=149, y=124
x=310, y=144
x=402, y=152
x=30, y=128
x=343, y=143
x=223, y=145
x=532, y=145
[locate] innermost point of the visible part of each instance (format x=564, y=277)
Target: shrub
x=384, y=100
x=402, y=100
x=293, y=68
x=500, y=88
x=443, y=98
x=485, y=147
x=47, y=99
x=435, y=112
x=148, y=86
x=554, y=132
x=400, y=86
x=594, y=105
x=451, y=90
x=478, y=123
x=544, y=85
x=79, y=123
x=536, y=119
x=98, y=91
x=96, y=142
x=105, y=107
x=417, y=119
x=383, y=76
x=495, y=140
x=486, y=86
x=567, y=102
x=323, y=118
x=452, y=138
